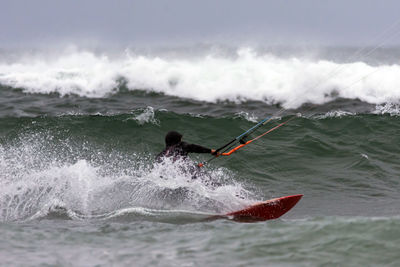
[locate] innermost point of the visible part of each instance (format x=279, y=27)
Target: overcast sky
x=123, y=22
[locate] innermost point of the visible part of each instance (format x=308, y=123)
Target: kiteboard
x=262, y=211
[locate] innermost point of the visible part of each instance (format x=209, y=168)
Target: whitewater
x=243, y=75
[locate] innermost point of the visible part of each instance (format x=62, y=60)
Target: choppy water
x=79, y=132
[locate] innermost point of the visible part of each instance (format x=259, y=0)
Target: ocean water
x=79, y=130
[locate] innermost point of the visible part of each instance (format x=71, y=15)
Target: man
x=177, y=149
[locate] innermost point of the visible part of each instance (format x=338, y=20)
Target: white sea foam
x=246, y=76
x=335, y=114
x=388, y=108
x=146, y=115
x=40, y=175
x=247, y=116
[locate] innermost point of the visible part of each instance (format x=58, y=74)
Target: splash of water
x=43, y=175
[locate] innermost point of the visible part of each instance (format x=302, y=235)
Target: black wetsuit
x=181, y=150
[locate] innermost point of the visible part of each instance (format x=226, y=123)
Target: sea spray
x=40, y=178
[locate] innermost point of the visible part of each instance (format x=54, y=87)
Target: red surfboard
x=266, y=210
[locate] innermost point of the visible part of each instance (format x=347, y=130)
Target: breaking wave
x=246, y=76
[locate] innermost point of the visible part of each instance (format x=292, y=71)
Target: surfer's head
x=172, y=138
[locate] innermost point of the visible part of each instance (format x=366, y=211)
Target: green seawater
x=80, y=129
x=79, y=185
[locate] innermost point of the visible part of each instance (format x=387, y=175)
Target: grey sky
x=340, y=22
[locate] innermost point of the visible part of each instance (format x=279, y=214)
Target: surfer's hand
x=215, y=153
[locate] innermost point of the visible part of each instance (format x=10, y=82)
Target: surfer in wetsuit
x=177, y=149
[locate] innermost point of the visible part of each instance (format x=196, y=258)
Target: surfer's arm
x=193, y=148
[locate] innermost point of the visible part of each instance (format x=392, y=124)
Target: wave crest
x=246, y=76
